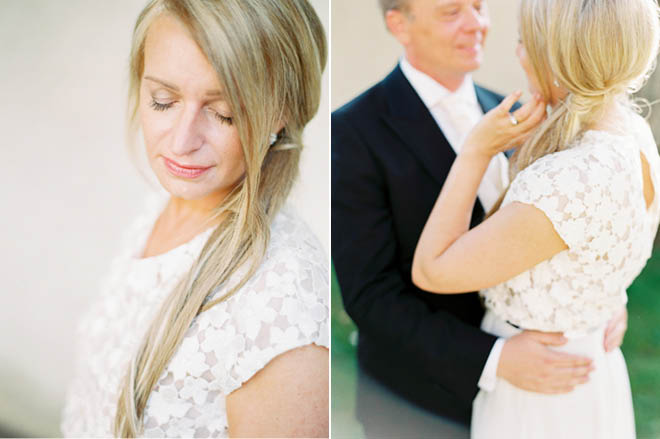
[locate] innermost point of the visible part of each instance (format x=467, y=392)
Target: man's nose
x=475, y=19
x=187, y=135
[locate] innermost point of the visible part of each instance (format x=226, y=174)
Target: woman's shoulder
x=593, y=155
x=295, y=263
x=598, y=169
x=623, y=141
x=294, y=268
x=292, y=239
x=284, y=305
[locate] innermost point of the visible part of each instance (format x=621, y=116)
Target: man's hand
x=528, y=363
x=616, y=329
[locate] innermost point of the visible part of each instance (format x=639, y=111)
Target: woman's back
x=593, y=194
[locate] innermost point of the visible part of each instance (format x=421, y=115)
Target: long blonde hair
x=269, y=55
x=600, y=51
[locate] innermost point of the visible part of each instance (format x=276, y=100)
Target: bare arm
x=452, y=259
x=287, y=398
x=514, y=239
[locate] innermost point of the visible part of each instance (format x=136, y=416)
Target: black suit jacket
x=389, y=161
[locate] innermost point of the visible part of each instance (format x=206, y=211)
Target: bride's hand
x=500, y=130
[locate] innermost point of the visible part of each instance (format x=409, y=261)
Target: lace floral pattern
x=283, y=306
x=593, y=195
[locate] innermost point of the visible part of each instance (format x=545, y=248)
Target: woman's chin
x=187, y=190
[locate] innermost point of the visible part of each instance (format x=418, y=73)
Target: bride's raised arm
x=449, y=257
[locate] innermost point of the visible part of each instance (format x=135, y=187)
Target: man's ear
x=397, y=23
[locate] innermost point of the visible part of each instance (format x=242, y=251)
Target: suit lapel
x=487, y=101
x=411, y=121
x=416, y=128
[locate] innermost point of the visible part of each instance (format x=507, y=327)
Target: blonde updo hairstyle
x=269, y=56
x=599, y=51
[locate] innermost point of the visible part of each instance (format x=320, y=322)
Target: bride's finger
x=527, y=109
x=507, y=103
x=525, y=129
x=537, y=115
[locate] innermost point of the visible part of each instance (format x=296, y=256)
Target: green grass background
x=641, y=348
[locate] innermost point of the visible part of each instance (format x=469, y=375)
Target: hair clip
x=273, y=138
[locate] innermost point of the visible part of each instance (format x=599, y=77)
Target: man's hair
x=387, y=5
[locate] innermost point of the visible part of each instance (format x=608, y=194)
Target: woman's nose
x=187, y=135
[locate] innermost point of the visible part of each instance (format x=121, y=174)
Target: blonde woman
x=214, y=321
x=577, y=223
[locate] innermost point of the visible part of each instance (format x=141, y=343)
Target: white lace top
x=593, y=195
x=283, y=306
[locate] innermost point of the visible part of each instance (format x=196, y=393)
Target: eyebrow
x=447, y=3
x=210, y=93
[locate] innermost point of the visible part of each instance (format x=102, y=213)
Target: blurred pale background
x=363, y=52
x=68, y=188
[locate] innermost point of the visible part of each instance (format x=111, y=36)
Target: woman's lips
x=184, y=171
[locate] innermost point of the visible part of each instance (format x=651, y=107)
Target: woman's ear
x=276, y=134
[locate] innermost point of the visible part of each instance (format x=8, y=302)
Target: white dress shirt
x=456, y=113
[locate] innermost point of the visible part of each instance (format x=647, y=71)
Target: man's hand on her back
x=616, y=329
x=529, y=363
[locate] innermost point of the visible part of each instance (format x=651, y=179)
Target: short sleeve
x=283, y=307
x=580, y=190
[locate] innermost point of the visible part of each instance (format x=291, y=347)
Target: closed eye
x=223, y=119
x=160, y=107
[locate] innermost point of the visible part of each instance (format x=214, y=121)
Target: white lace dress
x=593, y=195
x=283, y=306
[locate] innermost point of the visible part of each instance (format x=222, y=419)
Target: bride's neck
x=202, y=211
x=611, y=118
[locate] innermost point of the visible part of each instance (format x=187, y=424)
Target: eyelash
x=223, y=119
x=162, y=107
x=158, y=106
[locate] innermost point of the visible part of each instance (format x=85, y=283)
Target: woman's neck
x=612, y=118
x=202, y=208
x=180, y=213
x=181, y=221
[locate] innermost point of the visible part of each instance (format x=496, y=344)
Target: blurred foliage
x=344, y=331
x=344, y=369
x=641, y=348
x=651, y=92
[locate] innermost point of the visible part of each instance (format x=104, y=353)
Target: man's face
x=444, y=37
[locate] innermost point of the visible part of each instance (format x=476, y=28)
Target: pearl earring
x=272, y=138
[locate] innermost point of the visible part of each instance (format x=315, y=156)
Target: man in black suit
x=392, y=148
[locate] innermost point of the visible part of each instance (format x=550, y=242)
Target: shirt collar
x=432, y=92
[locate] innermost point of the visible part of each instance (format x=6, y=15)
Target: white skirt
x=600, y=409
